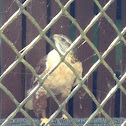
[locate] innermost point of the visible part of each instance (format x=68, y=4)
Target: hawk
x=60, y=81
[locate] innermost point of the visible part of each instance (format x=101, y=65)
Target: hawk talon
x=64, y=117
x=44, y=121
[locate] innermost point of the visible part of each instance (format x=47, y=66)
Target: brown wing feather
x=41, y=66
x=39, y=69
x=40, y=104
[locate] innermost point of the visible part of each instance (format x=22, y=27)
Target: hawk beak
x=56, y=38
x=53, y=36
x=56, y=35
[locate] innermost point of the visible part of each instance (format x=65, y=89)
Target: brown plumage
x=60, y=81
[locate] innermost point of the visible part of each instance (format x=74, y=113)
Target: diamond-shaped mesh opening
x=9, y=9
x=105, y=84
x=32, y=32
x=82, y=100
x=97, y=62
x=7, y=59
x=33, y=11
x=82, y=18
x=15, y=36
x=105, y=29
x=87, y=59
x=62, y=25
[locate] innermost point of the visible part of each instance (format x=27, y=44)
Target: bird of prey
x=60, y=81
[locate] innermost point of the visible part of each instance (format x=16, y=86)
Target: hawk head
x=62, y=42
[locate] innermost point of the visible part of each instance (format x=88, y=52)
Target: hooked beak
x=55, y=38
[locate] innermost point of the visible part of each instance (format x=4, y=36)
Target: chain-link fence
x=83, y=35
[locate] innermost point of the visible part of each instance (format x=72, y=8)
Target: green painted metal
x=95, y=40
x=119, y=46
x=72, y=31
x=72, y=26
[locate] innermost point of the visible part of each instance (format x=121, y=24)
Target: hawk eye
x=63, y=40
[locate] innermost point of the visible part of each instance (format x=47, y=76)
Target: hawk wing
x=41, y=66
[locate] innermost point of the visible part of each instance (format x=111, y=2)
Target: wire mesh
x=42, y=34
